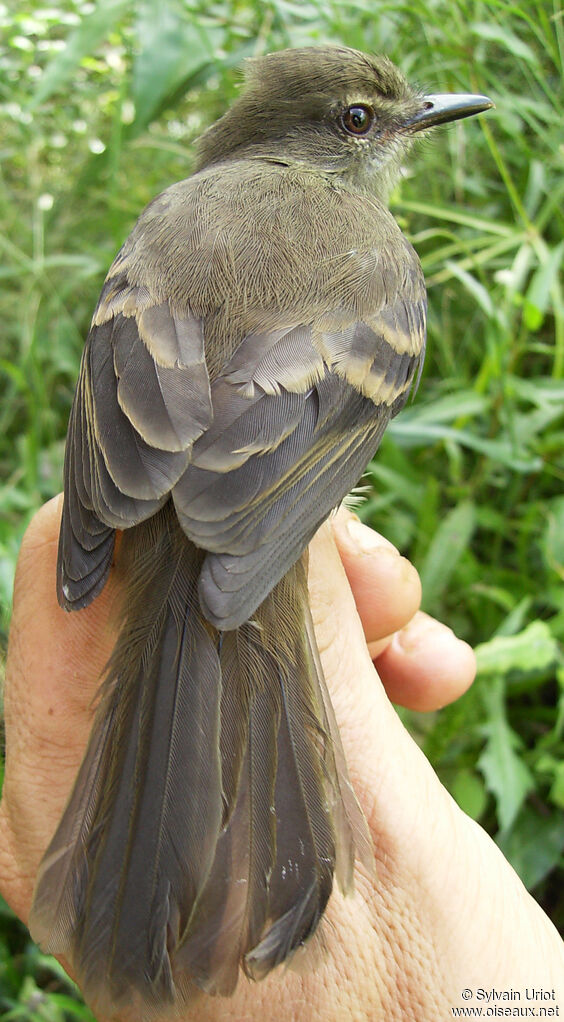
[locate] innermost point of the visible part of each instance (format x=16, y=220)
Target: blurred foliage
x=99, y=105
x=33, y=986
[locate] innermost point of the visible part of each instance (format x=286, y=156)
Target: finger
x=392, y=778
x=385, y=585
x=363, y=710
x=425, y=666
x=55, y=660
x=50, y=640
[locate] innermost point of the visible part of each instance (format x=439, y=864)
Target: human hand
x=443, y=910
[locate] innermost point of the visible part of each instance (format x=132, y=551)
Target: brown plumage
x=256, y=332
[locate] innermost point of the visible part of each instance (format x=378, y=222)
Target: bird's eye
x=358, y=119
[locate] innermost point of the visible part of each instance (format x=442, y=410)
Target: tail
x=212, y=807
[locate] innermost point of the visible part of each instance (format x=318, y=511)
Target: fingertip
x=356, y=538
x=38, y=551
x=385, y=585
x=426, y=666
x=348, y=667
x=44, y=525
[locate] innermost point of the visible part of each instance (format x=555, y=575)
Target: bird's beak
x=448, y=107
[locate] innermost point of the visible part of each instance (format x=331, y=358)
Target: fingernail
x=366, y=540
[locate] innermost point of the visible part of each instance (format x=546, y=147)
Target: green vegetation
x=99, y=104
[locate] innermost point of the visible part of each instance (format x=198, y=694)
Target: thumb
x=53, y=670
x=393, y=780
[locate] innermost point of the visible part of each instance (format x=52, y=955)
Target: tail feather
x=212, y=808
x=353, y=841
x=302, y=878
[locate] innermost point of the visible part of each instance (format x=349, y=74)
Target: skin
x=442, y=911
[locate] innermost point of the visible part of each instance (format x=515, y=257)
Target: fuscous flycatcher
x=260, y=326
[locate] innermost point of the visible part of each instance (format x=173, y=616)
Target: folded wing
x=296, y=417
x=142, y=399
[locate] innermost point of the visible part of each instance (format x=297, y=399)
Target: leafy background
x=99, y=105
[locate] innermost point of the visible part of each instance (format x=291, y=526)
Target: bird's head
x=344, y=113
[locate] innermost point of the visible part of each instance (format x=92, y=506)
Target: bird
x=258, y=329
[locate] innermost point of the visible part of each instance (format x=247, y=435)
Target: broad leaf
x=506, y=775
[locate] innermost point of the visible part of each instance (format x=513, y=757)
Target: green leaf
x=548, y=764
x=468, y=790
x=81, y=43
x=456, y=215
x=507, y=777
x=532, y=650
x=448, y=544
x=449, y=408
x=409, y=432
x=517, y=616
x=553, y=539
x=509, y=40
x=473, y=286
x=172, y=50
x=534, y=845
x=538, y=292
x=539, y=390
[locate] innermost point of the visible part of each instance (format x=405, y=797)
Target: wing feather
x=132, y=426
x=296, y=406
x=282, y=452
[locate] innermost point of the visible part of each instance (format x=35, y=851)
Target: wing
x=297, y=414
x=142, y=399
